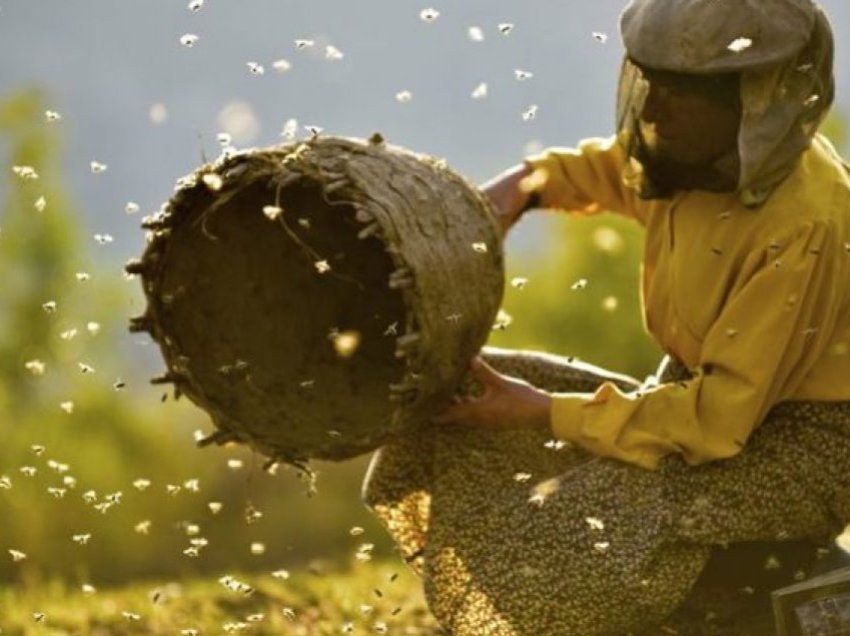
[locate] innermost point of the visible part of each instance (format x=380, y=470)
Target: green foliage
x=315, y=602
x=835, y=127
x=582, y=297
x=37, y=250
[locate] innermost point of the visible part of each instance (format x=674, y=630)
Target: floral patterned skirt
x=517, y=534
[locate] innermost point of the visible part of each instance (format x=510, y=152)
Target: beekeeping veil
x=782, y=51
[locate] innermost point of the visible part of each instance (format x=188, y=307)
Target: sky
x=150, y=108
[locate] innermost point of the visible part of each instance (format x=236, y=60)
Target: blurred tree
x=835, y=127
x=37, y=245
x=581, y=297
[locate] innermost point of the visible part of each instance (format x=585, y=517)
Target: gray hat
x=715, y=36
x=783, y=51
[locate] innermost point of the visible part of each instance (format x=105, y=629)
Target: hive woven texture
x=318, y=298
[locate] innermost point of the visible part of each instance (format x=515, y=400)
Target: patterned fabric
x=515, y=534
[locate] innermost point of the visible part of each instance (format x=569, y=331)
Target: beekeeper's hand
x=508, y=192
x=506, y=401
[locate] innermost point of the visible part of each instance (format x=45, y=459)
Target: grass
x=367, y=598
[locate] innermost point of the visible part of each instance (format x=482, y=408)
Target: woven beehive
x=317, y=298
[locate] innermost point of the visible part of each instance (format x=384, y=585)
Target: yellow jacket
x=757, y=301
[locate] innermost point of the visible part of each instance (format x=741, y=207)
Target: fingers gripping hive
x=317, y=298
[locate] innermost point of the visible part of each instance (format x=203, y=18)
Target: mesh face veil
x=782, y=53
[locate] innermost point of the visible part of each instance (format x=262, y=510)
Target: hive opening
x=331, y=322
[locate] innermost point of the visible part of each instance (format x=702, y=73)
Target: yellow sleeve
x=587, y=179
x=772, y=330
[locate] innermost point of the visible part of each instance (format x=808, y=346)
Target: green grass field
x=368, y=598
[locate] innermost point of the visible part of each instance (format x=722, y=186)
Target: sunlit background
x=110, y=101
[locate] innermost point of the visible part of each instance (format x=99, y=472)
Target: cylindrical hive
x=316, y=298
